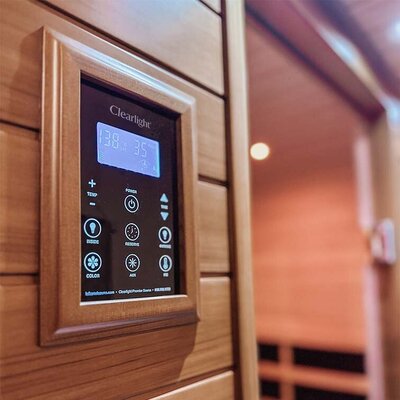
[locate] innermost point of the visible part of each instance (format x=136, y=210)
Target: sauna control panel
x=129, y=196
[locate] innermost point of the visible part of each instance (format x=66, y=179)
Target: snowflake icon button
x=132, y=262
x=92, y=262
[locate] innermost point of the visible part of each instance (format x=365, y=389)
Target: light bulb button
x=164, y=234
x=92, y=228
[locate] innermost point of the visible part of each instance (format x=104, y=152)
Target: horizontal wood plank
x=19, y=209
x=214, y=237
x=19, y=200
x=315, y=377
x=86, y=370
x=20, y=77
x=193, y=46
x=219, y=387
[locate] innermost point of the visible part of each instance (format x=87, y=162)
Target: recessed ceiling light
x=259, y=151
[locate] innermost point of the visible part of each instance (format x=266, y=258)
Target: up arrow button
x=164, y=198
x=164, y=215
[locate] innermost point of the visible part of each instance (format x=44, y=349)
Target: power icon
x=131, y=203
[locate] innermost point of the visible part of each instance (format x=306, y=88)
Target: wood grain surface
x=19, y=199
x=305, y=34
x=135, y=364
x=183, y=48
x=385, y=152
x=239, y=200
x=213, y=238
x=193, y=47
x=20, y=78
x=219, y=387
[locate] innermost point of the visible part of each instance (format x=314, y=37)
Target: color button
x=92, y=262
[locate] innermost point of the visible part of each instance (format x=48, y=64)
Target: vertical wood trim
x=385, y=153
x=239, y=196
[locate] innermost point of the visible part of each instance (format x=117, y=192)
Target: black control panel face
x=129, y=196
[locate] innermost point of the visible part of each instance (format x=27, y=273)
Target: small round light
x=259, y=151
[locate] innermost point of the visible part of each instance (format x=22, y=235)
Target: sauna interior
x=317, y=190
x=199, y=199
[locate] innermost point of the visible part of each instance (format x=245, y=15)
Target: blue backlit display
x=122, y=149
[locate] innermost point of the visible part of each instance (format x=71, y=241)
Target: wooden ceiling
x=288, y=103
x=380, y=22
x=365, y=73
x=373, y=27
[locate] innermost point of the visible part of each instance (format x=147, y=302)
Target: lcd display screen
x=127, y=150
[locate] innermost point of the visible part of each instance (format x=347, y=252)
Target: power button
x=131, y=203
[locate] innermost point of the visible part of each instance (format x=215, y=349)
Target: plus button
x=92, y=183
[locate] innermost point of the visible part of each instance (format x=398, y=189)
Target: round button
x=132, y=262
x=131, y=203
x=165, y=263
x=165, y=235
x=132, y=231
x=92, y=228
x=92, y=262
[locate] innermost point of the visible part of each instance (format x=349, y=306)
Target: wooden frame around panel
x=62, y=317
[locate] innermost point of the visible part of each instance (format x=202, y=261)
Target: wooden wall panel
x=213, y=238
x=19, y=208
x=194, y=361
x=309, y=251
x=193, y=46
x=19, y=200
x=309, y=254
x=132, y=363
x=20, y=91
